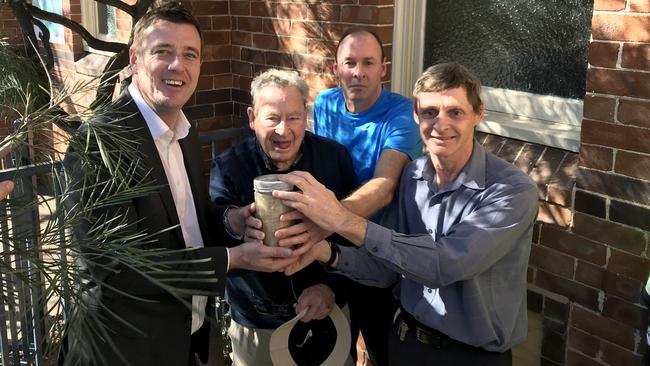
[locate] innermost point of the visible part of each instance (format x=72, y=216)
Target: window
x=99, y=19
x=56, y=30
x=531, y=56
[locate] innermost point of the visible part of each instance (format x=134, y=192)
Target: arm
x=378, y=192
x=502, y=221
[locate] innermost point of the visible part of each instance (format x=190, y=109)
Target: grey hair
x=279, y=79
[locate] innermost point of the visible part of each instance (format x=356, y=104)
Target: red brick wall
x=594, y=269
x=9, y=27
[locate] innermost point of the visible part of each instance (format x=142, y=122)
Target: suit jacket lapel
x=191, y=150
x=151, y=156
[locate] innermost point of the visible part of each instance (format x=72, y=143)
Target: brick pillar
x=609, y=237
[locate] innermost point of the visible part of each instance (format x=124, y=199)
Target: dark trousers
x=421, y=346
x=371, y=311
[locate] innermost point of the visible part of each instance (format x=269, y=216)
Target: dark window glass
x=106, y=20
x=536, y=46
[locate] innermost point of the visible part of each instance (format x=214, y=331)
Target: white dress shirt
x=166, y=141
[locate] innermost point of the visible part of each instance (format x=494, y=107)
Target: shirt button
x=430, y=231
x=429, y=290
x=374, y=249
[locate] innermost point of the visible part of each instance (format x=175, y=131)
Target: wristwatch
x=334, y=253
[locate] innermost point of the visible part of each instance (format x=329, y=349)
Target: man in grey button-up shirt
x=457, y=235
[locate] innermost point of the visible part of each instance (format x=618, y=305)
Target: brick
x=576, y=359
x=511, y=150
x=611, y=233
x=629, y=214
x=200, y=111
x=636, y=56
x=366, y=15
x=574, y=245
x=553, y=346
x=603, y=54
x=616, y=82
x=614, y=355
x=494, y=143
x=590, y=274
x=596, y=157
x=277, y=27
x=634, y=113
x=307, y=63
x=590, y=204
x=528, y=157
x=222, y=81
x=625, y=312
x=242, y=68
x=209, y=7
x=628, y=265
x=617, y=136
x=215, y=67
x=205, y=83
x=633, y=165
x=556, y=310
x=622, y=286
x=575, y=291
x=551, y=261
x=293, y=44
x=583, y=342
x=216, y=37
x=249, y=24
x=618, y=27
x=241, y=96
x=321, y=48
x=609, y=5
x=560, y=195
x=278, y=59
x=212, y=96
x=223, y=109
x=554, y=214
x=376, y=2
x=605, y=328
x=554, y=326
x=641, y=6
x=547, y=165
x=253, y=56
x=240, y=7
x=599, y=108
x=221, y=22
x=242, y=38
x=266, y=41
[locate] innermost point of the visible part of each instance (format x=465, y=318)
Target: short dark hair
x=355, y=31
x=171, y=11
x=449, y=76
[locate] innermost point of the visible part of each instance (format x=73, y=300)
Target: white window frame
x=543, y=119
x=89, y=20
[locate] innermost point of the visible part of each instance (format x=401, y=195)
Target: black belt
x=426, y=335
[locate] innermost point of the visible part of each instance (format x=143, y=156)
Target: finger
x=299, y=239
x=253, y=221
x=290, y=231
x=254, y=234
x=304, y=248
x=289, y=196
x=251, y=208
x=276, y=252
x=292, y=216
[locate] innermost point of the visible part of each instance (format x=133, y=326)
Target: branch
x=129, y=9
x=47, y=47
x=76, y=27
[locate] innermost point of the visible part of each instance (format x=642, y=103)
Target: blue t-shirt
x=388, y=124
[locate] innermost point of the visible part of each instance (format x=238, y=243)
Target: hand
x=304, y=233
x=318, y=300
x=256, y=256
x=320, y=252
x=316, y=202
x=237, y=218
x=253, y=231
x=5, y=188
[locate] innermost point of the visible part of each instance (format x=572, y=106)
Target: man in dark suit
x=144, y=301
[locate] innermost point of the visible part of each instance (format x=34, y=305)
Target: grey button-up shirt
x=461, y=252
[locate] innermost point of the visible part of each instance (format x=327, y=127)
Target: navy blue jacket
x=265, y=300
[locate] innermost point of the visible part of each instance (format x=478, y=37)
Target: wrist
x=334, y=252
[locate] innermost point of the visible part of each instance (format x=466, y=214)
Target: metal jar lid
x=269, y=183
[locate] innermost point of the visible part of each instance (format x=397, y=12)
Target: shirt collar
x=157, y=126
x=472, y=176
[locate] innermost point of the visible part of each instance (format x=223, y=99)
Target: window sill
x=563, y=136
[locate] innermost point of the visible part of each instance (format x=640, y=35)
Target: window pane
x=536, y=46
x=106, y=20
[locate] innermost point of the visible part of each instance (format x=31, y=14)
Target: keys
x=403, y=328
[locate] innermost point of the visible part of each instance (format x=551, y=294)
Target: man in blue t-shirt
x=378, y=129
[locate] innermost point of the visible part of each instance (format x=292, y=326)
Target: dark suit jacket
x=145, y=324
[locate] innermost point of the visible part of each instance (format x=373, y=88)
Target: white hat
x=296, y=343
